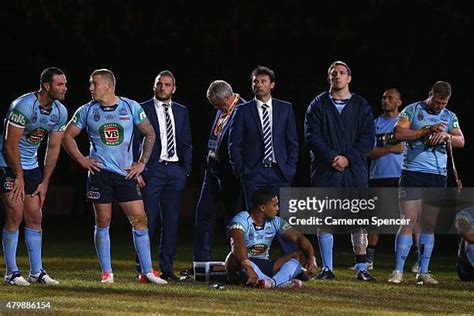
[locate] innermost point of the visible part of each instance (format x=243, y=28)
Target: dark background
x=408, y=45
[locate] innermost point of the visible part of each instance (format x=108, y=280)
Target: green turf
x=74, y=264
x=72, y=261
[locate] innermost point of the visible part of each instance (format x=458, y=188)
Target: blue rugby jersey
x=26, y=112
x=420, y=155
x=390, y=165
x=258, y=239
x=110, y=131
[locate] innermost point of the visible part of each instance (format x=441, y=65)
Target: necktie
x=169, y=131
x=267, y=136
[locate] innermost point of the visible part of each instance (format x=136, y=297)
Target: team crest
x=123, y=111
x=54, y=118
x=420, y=116
x=111, y=134
x=96, y=115
x=34, y=118
x=35, y=136
x=251, y=236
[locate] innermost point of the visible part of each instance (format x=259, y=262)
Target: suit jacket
x=183, y=134
x=328, y=134
x=224, y=167
x=246, y=148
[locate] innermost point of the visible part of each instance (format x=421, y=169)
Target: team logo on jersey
x=96, y=115
x=123, y=111
x=141, y=115
x=75, y=118
x=54, y=118
x=109, y=116
x=34, y=118
x=445, y=116
x=420, y=116
x=18, y=118
x=236, y=226
x=35, y=136
x=93, y=195
x=111, y=134
x=251, y=236
x=257, y=249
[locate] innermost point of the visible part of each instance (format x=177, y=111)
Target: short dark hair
x=441, y=88
x=340, y=63
x=166, y=73
x=262, y=196
x=106, y=73
x=48, y=74
x=262, y=70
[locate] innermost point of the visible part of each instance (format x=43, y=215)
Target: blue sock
x=10, y=243
x=141, y=240
x=402, y=249
x=361, y=266
x=33, y=244
x=426, y=248
x=326, y=242
x=102, y=247
x=261, y=275
x=470, y=253
x=287, y=272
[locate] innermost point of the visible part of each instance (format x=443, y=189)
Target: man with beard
x=23, y=188
x=166, y=171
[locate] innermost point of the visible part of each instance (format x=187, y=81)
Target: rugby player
x=113, y=176
x=428, y=128
x=252, y=232
x=29, y=119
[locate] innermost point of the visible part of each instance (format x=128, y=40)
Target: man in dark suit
x=263, y=143
x=169, y=165
x=220, y=188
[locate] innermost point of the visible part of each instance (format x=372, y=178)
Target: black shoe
x=364, y=275
x=302, y=276
x=187, y=272
x=325, y=274
x=169, y=276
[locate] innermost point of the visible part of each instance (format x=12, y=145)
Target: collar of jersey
x=108, y=108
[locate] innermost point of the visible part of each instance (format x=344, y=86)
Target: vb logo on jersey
x=35, y=136
x=257, y=249
x=111, y=134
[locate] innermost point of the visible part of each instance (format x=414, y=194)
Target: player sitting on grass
x=252, y=232
x=465, y=228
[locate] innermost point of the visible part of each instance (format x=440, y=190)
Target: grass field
x=72, y=261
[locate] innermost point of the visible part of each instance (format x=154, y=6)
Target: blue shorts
x=31, y=177
x=421, y=186
x=106, y=186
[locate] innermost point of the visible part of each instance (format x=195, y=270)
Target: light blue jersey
x=258, y=239
x=26, y=112
x=110, y=131
x=467, y=215
x=420, y=155
x=390, y=165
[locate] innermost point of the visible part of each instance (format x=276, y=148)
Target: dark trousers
x=272, y=178
x=162, y=196
x=219, y=199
